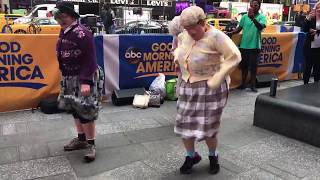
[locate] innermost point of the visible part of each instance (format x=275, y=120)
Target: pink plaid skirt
x=199, y=109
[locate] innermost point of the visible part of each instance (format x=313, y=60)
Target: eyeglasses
x=56, y=13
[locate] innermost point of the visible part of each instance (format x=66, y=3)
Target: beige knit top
x=211, y=58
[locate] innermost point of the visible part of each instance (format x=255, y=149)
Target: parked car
x=140, y=27
x=37, y=26
x=38, y=11
x=219, y=23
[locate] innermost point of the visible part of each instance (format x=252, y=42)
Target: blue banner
x=142, y=58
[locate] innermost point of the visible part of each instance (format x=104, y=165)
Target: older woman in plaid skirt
x=206, y=57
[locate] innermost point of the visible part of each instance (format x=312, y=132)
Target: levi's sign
x=156, y=3
x=125, y=2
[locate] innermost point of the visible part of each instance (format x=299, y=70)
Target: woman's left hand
x=313, y=32
x=214, y=83
x=85, y=89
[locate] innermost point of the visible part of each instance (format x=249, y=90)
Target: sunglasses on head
x=56, y=13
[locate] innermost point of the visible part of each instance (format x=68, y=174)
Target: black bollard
x=273, y=87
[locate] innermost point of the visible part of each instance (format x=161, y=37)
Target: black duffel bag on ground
x=49, y=105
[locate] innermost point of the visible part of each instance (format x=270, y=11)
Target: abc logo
x=133, y=55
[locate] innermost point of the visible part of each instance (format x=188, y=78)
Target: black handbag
x=155, y=99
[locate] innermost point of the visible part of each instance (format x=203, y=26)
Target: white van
x=39, y=11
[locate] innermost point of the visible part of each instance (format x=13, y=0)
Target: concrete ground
x=140, y=144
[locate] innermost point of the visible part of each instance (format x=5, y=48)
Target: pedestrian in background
x=79, y=91
x=108, y=16
x=206, y=57
x=312, y=45
x=49, y=14
x=251, y=25
x=300, y=18
x=6, y=9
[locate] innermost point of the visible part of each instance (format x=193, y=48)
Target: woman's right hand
x=177, y=68
x=85, y=89
x=313, y=32
x=250, y=13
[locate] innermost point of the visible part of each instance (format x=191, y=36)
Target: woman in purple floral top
x=81, y=85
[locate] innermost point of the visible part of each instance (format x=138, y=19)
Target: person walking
x=300, y=18
x=312, y=45
x=251, y=25
x=81, y=78
x=206, y=56
x=108, y=16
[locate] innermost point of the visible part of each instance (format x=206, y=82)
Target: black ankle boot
x=242, y=86
x=189, y=163
x=254, y=89
x=214, y=165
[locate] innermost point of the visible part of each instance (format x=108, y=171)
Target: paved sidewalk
x=140, y=144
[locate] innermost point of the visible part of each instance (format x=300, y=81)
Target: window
x=42, y=9
x=211, y=23
x=44, y=22
x=36, y=13
x=12, y=17
x=223, y=23
x=31, y=10
x=141, y=24
x=53, y=22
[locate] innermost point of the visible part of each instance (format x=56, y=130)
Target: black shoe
x=242, y=87
x=214, y=165
x=76, y=144
x=189, y=163
x=254, y=89
x=91, y=154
